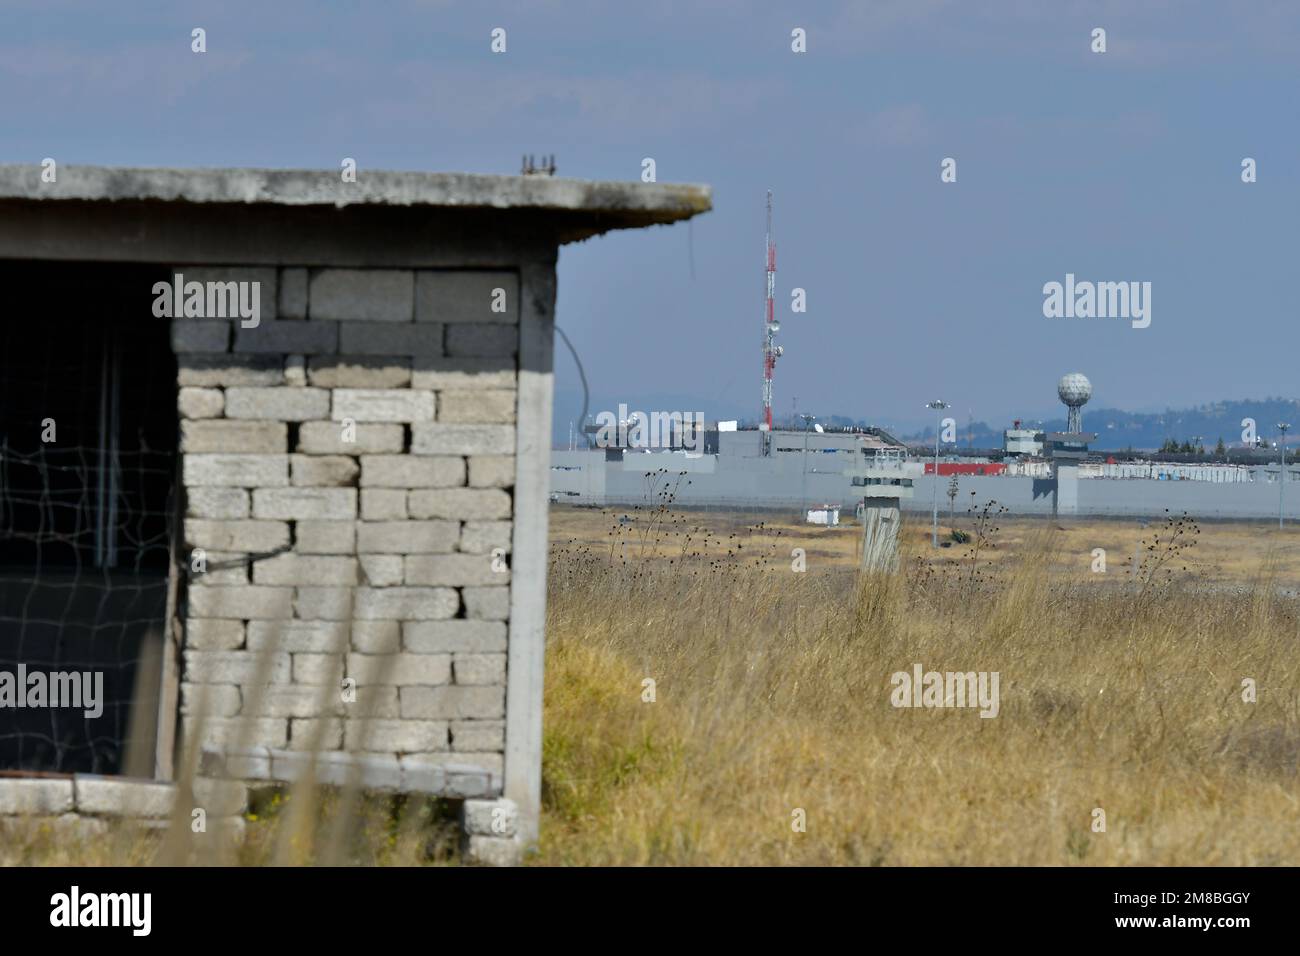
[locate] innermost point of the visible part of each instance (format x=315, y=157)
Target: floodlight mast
x=938, y=405
x=803, y=486
x=1281, y=474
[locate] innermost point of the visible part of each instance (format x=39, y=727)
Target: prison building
x=274, y=462
x=727, y=469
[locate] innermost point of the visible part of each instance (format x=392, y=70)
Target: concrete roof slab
x=587, y=207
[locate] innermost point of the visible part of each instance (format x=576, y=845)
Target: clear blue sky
x=1124, y=165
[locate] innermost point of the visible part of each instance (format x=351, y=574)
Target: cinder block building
x=274, y=457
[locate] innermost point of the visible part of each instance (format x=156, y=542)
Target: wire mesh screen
x=74, y=619
x=87, y=478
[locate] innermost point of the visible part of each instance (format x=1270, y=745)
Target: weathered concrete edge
x=526, y=648
x=255, y=766
x=645, y=203
x=119, y=797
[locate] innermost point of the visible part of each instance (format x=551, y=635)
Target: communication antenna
x=771, y=351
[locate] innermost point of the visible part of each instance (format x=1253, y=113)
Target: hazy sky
x=1117, y=166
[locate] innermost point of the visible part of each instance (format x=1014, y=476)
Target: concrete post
x=880, y=523
x=525, y=659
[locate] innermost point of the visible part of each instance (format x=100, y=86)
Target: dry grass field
x=1120, y=694
x=709, y=704
x=1227, y=552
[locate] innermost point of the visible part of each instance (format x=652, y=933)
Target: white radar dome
x=1074, y=389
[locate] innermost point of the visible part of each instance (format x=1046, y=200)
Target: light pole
x=803, y=487
x=1281, y=475
x=938, y=405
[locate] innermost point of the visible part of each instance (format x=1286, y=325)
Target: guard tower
x=883, y=485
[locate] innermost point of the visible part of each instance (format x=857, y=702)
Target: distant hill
x=1144, y=431
x=1116, y=429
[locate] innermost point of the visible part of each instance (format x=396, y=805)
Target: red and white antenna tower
x=771, y=351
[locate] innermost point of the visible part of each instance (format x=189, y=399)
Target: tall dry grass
x=303, y=823
x=772, y=694
x=284, y=826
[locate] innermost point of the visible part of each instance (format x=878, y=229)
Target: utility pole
x=1281, y=475
x=938, y=405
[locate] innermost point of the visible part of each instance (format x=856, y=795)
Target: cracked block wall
x=348, y=467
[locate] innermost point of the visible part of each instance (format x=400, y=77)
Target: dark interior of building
x=88, y=455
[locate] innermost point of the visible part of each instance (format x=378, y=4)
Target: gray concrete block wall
x=349, y=467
